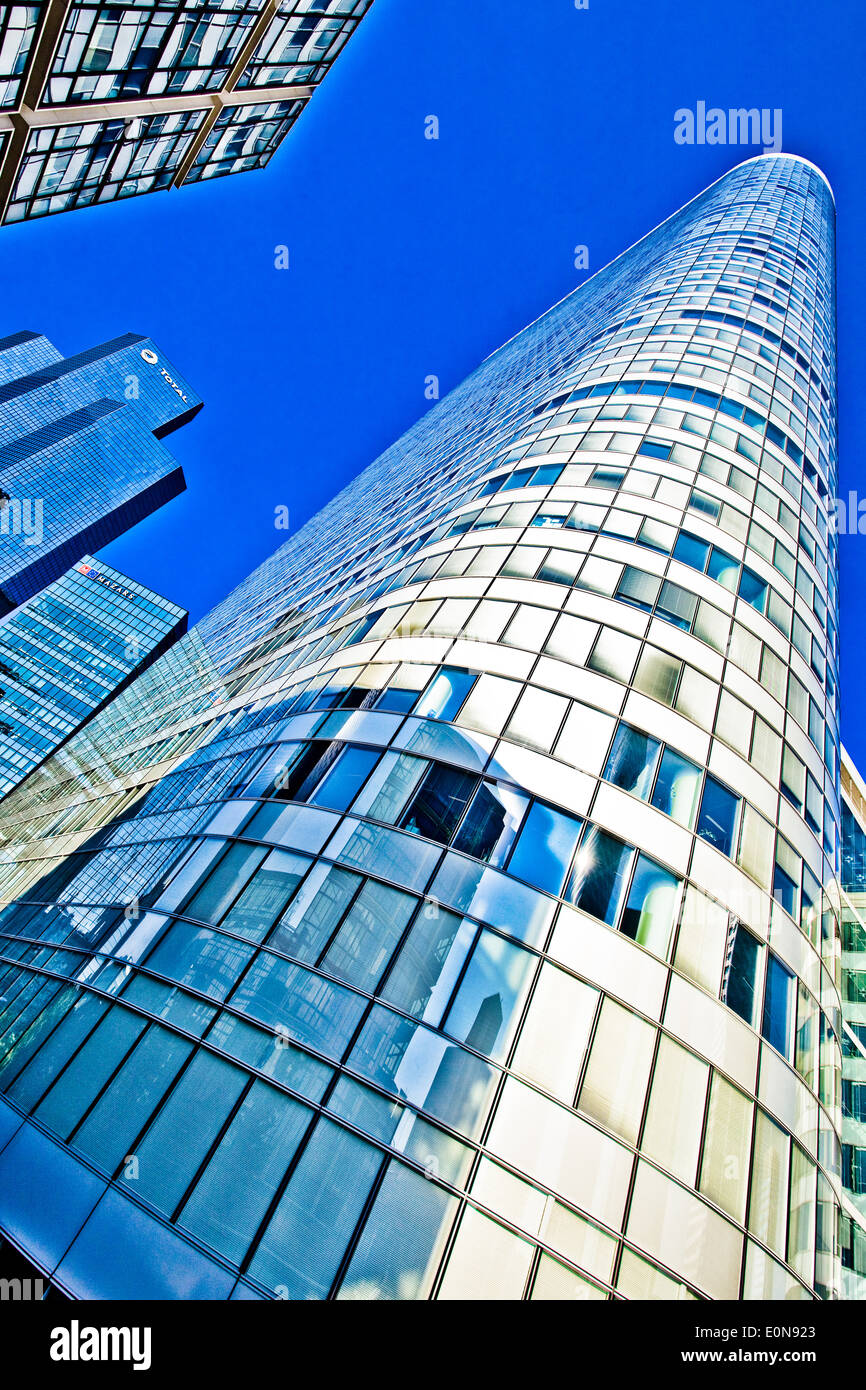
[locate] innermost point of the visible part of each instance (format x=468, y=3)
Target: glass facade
x=80, y=452
x=453, y=913
x=67, y=651
x=853, y=881
x=114, y=101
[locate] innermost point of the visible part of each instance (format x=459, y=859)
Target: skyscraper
x=80, y=452
x=67, y=651
x=102, y=103
x=460, y=919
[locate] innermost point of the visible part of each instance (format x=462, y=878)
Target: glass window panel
x=725, y=1162
x=677, y=787
x=486, y=1008
x=199, y=958
x=598, y=879
x=651, y=906
x=718, y=817
x=403, y=1238
x=37, y=1075
x=675, y=1118
x=618, y=1070
x=777, y=1023
x=89, y=1070
x=657, y=675
x=339, y=787
x=389, y=788
x=305, y=1240
x=439, y=803
x=632, y=761
x=537, y=718
x=123, y=1110
x=446, y=693
x=544, y=847
x=768, y=1200
x=614, y=655
x=556, y=1282
x=429, y=961
x=742, y=982
x=173, y=1148
x=490, y=824
x=486, y=1261
x=313, y=915
x=231, y=874
x=368, y=934
x=267, y=895
x=555, y=1032
x=233, y=1193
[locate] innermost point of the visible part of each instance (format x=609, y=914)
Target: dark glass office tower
x=67, y=651
x=99, y=103
x=452, y=913
x=80, y=452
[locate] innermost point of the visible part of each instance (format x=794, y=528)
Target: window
x=639, y=589
x=718, y=816
x=598, y=880
x=677, y=787
x=741, y=980
x=753, y=589
x=340, y=785
x=651, y=905
x=446, y=693
x=677, y=605
x=490, y=824
x=689, y=550
x=777, y=1022
x=652, y=449
x=614, y=654
x=544, y=849
x=632, y=761
x=439, y=803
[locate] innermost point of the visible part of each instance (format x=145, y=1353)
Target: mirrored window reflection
x=491, y=822
x=301, y=1249
x=677, y=787
x=446, y=693
x=338, y=788
x=777, y=1021
x=717, y=821
x=632, y=760
x=651, y=906
x=485, y=1010
x=543, y=851
x=742, y=980
x=437, y=807
x=600, y=873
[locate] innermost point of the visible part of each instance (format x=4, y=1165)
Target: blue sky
x=411, y=257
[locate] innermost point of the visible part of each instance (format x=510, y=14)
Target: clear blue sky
x=411, y=257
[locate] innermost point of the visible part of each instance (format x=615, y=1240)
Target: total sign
x=150, y=356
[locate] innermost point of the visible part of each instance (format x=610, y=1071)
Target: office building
x=103, y=103
x=66, y=652
x=81, y=457
x=461, y=919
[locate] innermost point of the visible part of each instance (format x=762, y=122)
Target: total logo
x=150, y=356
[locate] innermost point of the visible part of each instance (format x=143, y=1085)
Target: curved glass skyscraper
x=451, y=914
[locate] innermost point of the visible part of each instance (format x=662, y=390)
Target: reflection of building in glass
x=854, y=1030
x=99, y=103
x=469, y=929
x=67, y=651
x=80, y=452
